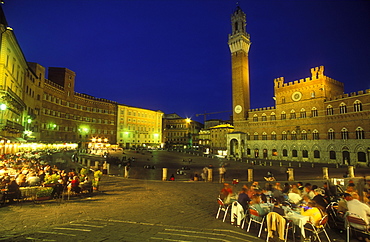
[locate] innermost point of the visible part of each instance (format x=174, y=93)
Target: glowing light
x=3, y=107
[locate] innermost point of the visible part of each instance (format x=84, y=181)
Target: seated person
x=357, y=207
x=226, y=192
x=313, y=212
x=257, y=204
x=33, y=180
x=12, y=191
x=86, y=185
x=293, y=196
x=319, y=198
x=278, y=208
x=243, y=198
x=75, y=185
x=351, y=189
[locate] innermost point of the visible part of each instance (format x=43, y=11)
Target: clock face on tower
x=238, y=109
x=296, y=96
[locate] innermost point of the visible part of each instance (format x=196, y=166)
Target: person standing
x=222, y=172
x=97, y=177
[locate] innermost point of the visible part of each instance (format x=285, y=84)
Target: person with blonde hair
x=293, y=196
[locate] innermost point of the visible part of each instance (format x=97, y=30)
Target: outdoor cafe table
x=299, y=220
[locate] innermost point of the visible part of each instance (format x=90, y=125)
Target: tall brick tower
x=239, y=43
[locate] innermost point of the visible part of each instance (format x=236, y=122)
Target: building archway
x=265, y=154
x=346, y=157
x=234, y=147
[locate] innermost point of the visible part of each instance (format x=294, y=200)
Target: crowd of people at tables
x=17, y=172
x=305, y=199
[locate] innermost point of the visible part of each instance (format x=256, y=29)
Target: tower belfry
x=239, y=43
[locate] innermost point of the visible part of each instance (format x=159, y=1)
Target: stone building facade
x=68, y=116
x=180, y=133
x=312, y=120
x=139, y=127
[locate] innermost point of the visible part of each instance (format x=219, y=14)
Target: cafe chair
x=356, y=223
x=222, y=207
x=319, y=228
x=275, y=224
x=289, y=226
x=254, y=215
x=336, y=219
x=238, y=215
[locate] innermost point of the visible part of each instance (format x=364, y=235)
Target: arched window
x=284, y=135
x=312, y=94
x=304, y=153
x=255, y=118
x=342, y=108
x=264, y=118
x=292, y=114
x=314, y=112
x=316, y=154
x=361, y=156
x=273, y=135
x=304, y=135
x=329, y=110
x=255, y=136
x=285, y=152
x=357, y=106
x=315, y=135
x=264, y=136
x=360, y=133
x=344, y=133
x=303, y=113
x=331, y=134
x=283, y=100
x=294, y=135
x=332, y=155
x=294, y=153
x=274, y=152
x=283, y=115
x=248, y=136
x=272, y=116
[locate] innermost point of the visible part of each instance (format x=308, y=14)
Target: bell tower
x=239, y=43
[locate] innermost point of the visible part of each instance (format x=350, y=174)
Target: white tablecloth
x=299, y=220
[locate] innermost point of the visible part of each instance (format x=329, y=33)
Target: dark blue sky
x=172, y=55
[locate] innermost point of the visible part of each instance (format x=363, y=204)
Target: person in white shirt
x=293, y=196
x=222, y=172
x=357, y=207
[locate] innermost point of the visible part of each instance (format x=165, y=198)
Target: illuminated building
x=12, y=79
x=180, y=133
x=139, y=127
x=218, y=138
x=312, y=120
x=68, y=116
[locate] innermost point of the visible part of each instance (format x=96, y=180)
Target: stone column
x=351, y=171
x=325, y=173
x=250, y=175
x=164, y=174
x=290, y=174
x=210, y=174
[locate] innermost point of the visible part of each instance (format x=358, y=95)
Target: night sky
x=172, y=55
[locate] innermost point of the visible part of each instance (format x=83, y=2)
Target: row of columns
x=290, y=172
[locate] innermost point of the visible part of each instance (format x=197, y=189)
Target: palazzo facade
x=313, y=120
